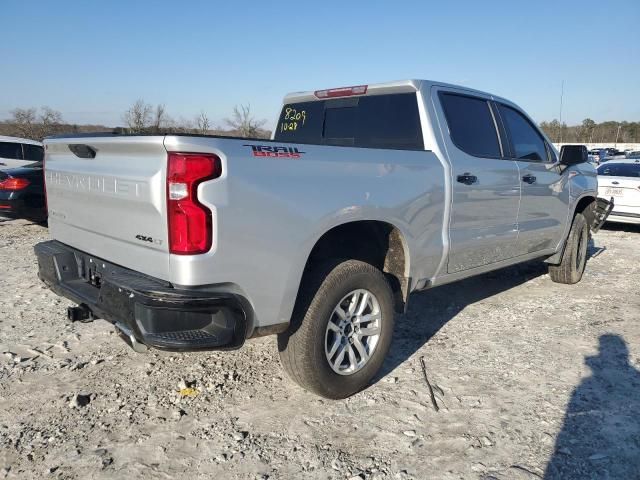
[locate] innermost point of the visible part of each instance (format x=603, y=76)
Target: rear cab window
x=390, y=121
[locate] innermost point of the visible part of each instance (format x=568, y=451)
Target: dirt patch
x=531, y=378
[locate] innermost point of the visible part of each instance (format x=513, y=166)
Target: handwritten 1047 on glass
x=292, y=119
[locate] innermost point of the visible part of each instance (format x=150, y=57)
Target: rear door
x=486, y=184
x=544, y=204
x=107, y=197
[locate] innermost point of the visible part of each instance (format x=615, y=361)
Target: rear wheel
x=574, y=258
x=340, y=330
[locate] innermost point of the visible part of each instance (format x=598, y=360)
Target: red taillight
x=190, y=223
x=14, y=184
x=341, y=92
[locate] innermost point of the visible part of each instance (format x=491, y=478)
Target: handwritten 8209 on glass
x=292, y=119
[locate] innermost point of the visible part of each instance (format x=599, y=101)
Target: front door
x=545, y=193
x=485, y=185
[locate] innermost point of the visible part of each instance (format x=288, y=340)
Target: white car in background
x=17, y=152
x=620, y=179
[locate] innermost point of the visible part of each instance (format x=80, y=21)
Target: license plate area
x=614, y=192
x=92, y=271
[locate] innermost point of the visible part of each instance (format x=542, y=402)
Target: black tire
x=302, y=346
x=574, y=258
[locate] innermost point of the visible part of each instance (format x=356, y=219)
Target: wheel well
x=586, y=206
x=377, y=243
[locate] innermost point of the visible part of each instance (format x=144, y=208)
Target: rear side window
x=10, y=150
x=33, y=152
x=525, y=139
x=471, y=125
x=620, y=169
x=377, y=121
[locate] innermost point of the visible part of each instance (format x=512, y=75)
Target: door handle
x=529, y=179
x=467, y=178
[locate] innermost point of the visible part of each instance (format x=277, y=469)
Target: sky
x=92, y=59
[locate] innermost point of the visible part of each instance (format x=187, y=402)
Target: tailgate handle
x=83, y=151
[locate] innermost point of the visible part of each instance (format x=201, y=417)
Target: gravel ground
x=532, y=380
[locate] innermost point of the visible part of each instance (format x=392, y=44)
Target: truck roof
x=397, y=86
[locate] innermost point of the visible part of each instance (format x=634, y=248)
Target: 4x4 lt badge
x=144, y=238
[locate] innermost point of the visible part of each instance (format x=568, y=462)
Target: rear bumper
x=152, y=310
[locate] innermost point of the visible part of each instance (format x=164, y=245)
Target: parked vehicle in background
x=612, y=152
x=620, y=179
x=605, y=156
x=364, y=195
x=633, y=155
x=17, y=152
x=594, y=156
x=22, y=193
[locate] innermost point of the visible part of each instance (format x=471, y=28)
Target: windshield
x=620, y=170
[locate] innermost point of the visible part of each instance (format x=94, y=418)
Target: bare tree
x=160, y=117
x=27, y=123
x=586, y=130
x=24, y=122
x=243, y=122
x=202, y=123
x=50, y=122
x=138, y=117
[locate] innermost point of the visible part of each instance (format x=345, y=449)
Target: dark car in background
x=18, y=152
x=22, y=193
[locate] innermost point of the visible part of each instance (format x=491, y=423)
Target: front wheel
x=574, y=258
x=340, y=330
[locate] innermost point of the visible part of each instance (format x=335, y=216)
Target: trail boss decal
x=274, y=151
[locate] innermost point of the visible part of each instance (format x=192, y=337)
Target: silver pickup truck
x=364, y=195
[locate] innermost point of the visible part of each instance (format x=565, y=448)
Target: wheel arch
x=585, y=205
x=378, y=242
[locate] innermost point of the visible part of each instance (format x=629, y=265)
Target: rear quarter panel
x=269, y=213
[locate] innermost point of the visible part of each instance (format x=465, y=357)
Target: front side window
x=471, y=125
x=10, y=150
x=527, y=142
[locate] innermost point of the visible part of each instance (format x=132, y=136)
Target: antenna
x=561, y=96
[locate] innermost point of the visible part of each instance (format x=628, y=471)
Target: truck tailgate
x=106, y=196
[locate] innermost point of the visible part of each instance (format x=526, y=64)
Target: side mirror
x=573, y=155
